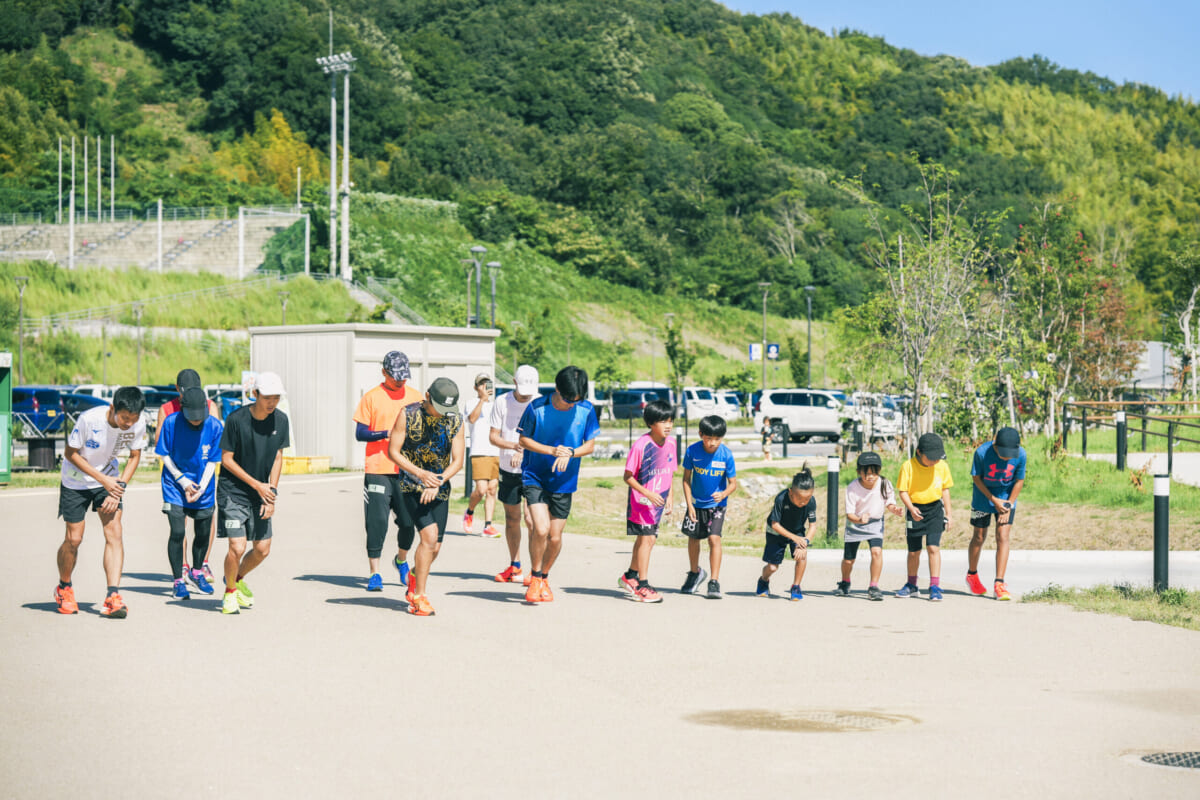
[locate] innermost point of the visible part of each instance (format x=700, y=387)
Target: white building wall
x=326, y=369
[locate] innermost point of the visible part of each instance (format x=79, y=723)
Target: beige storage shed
x=326, y=369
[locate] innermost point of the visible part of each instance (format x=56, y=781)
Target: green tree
x=682, y=356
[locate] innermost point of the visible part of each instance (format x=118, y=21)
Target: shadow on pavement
x=147, y=576
x=372, y=602
x=500, y=597
x=595, y=592
x=164, y=591
x=466, y=576
x=86, y=608
x=198, y=603
x=347, y=581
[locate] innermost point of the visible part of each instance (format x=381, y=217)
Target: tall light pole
x=493, y=268
x=669, y=316
x=477, y=256
x=137, y=314
x=332, y=65
x=469, y=263
x=808, y=290
x=764, y=285
x=21, y=281
x=283, y=298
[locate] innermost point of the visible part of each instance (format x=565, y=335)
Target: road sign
x=755, y=351
x=773, y=351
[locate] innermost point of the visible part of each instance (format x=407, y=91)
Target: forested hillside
x=669, y=145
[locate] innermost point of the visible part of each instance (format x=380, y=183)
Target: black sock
x=64, y=584
x=487, y=522
x=537, y=574
x=631, y=574
x=972, y=572
x=998, y=580
x=114, y=590
x=642, y=584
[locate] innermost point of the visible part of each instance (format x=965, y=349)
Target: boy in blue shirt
x=709, y=478
x=190, y=445
x=555, y=432
x=998, y=472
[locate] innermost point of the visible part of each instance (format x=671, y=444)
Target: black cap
x=869, y=459
x=194, y=403
x=187, y=378
x=930, y=446
x=1008, y=442
x=444, y=396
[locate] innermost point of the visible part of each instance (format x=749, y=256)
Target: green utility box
x=5, y=417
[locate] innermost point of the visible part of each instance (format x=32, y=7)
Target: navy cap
x=869, y=459
x=930, y=445
x=396, y=364
x=1008, y=442
x=194, y=403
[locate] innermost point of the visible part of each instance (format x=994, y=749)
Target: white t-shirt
x=481, y=443
x=506, y=416
x=99, y=443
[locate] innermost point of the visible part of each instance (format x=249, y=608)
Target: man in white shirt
x=506, y=415
x=90, y=480
x=485, y=458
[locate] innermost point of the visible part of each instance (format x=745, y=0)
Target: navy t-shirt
x=792, y=517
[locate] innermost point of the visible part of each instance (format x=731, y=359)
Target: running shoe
x=375, y=583
x=874, y=593
x=114, y=607
x=420, y=606
x=534, y=593
x=187, y=571
x=700, y=581
x=843, y=589
x=630, y=585
x=201, y=582
x=908, y=590
x=975, y=585
x=410, y=594
x=245, y=590
x=1001, y=590
x=242, y=600
x=544, y=593
x=795, y=593
x=935, y=593
x=402, y=568
x=648, y=594
x=714, y=590
x=763, y=589
x=181, y=592
x=66, y=600
x=490, y=532
x=208, y=573
x=528, y=579
x=229, y=604
x=510, y=575
x=690, y=582
x=468, y=521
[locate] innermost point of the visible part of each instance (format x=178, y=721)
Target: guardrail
x=1116, y=414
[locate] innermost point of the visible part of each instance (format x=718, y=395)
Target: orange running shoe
x=528, y=578
x=66, y=600
x=420, y=606
x=1001, y=591
x=975, y=585
x=510, y=575
x=114, y=607
x=545, y=595
x=490, y=532
x=412, y=581
x=534, y=593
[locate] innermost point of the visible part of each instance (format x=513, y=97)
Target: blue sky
x=1156, y=42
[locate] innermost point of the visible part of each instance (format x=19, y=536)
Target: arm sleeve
x=363, y=433
x=209, y=470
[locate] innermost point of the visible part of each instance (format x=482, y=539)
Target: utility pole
x=493, y=268
x=808, y=290
x=137, y=315
x=283, y=298
x=764, y=285
x=21, y=280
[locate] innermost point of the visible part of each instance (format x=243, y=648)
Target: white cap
x=269, y=383
x=527, y=379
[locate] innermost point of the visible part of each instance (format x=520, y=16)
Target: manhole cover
x=1189, y=760
x=817, y=721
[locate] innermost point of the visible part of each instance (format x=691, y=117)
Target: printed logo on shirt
x=204, y=450
x=714, y=471
x=93, y=444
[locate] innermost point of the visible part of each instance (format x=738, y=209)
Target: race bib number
x=233, y=523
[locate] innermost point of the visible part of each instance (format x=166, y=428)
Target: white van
x=730, y=405
x=701, y=401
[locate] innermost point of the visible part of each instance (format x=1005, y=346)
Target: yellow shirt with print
x=924, y=484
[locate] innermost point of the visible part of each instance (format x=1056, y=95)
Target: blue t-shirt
x=997, y=474
x=191, y=449
x=710, y=473
x=546, y=425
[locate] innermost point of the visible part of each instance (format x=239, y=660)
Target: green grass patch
x=1178, y=607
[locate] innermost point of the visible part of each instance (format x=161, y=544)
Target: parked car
x=807, y=412
x=41, y=407
x=730, y=406
x=700, y=401
x=629, y=404
x=75, y=404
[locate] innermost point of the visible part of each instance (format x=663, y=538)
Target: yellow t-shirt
x=924, y=484
x=378, y=410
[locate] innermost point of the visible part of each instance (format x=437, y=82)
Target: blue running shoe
x=201, y=582
x=375, y=583
x=402, y=568
x=181, y=592
x=935, y=593
x=763, y=590
x=796, y=594
x=908, y=590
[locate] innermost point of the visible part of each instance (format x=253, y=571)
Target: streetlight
x=808, y=290
x=137, y=314
x=669, y=316
x=493, y=268
x=474, y=264
x=331, y=65
x=764, y=285
x=283, y=298
x=21, y=281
